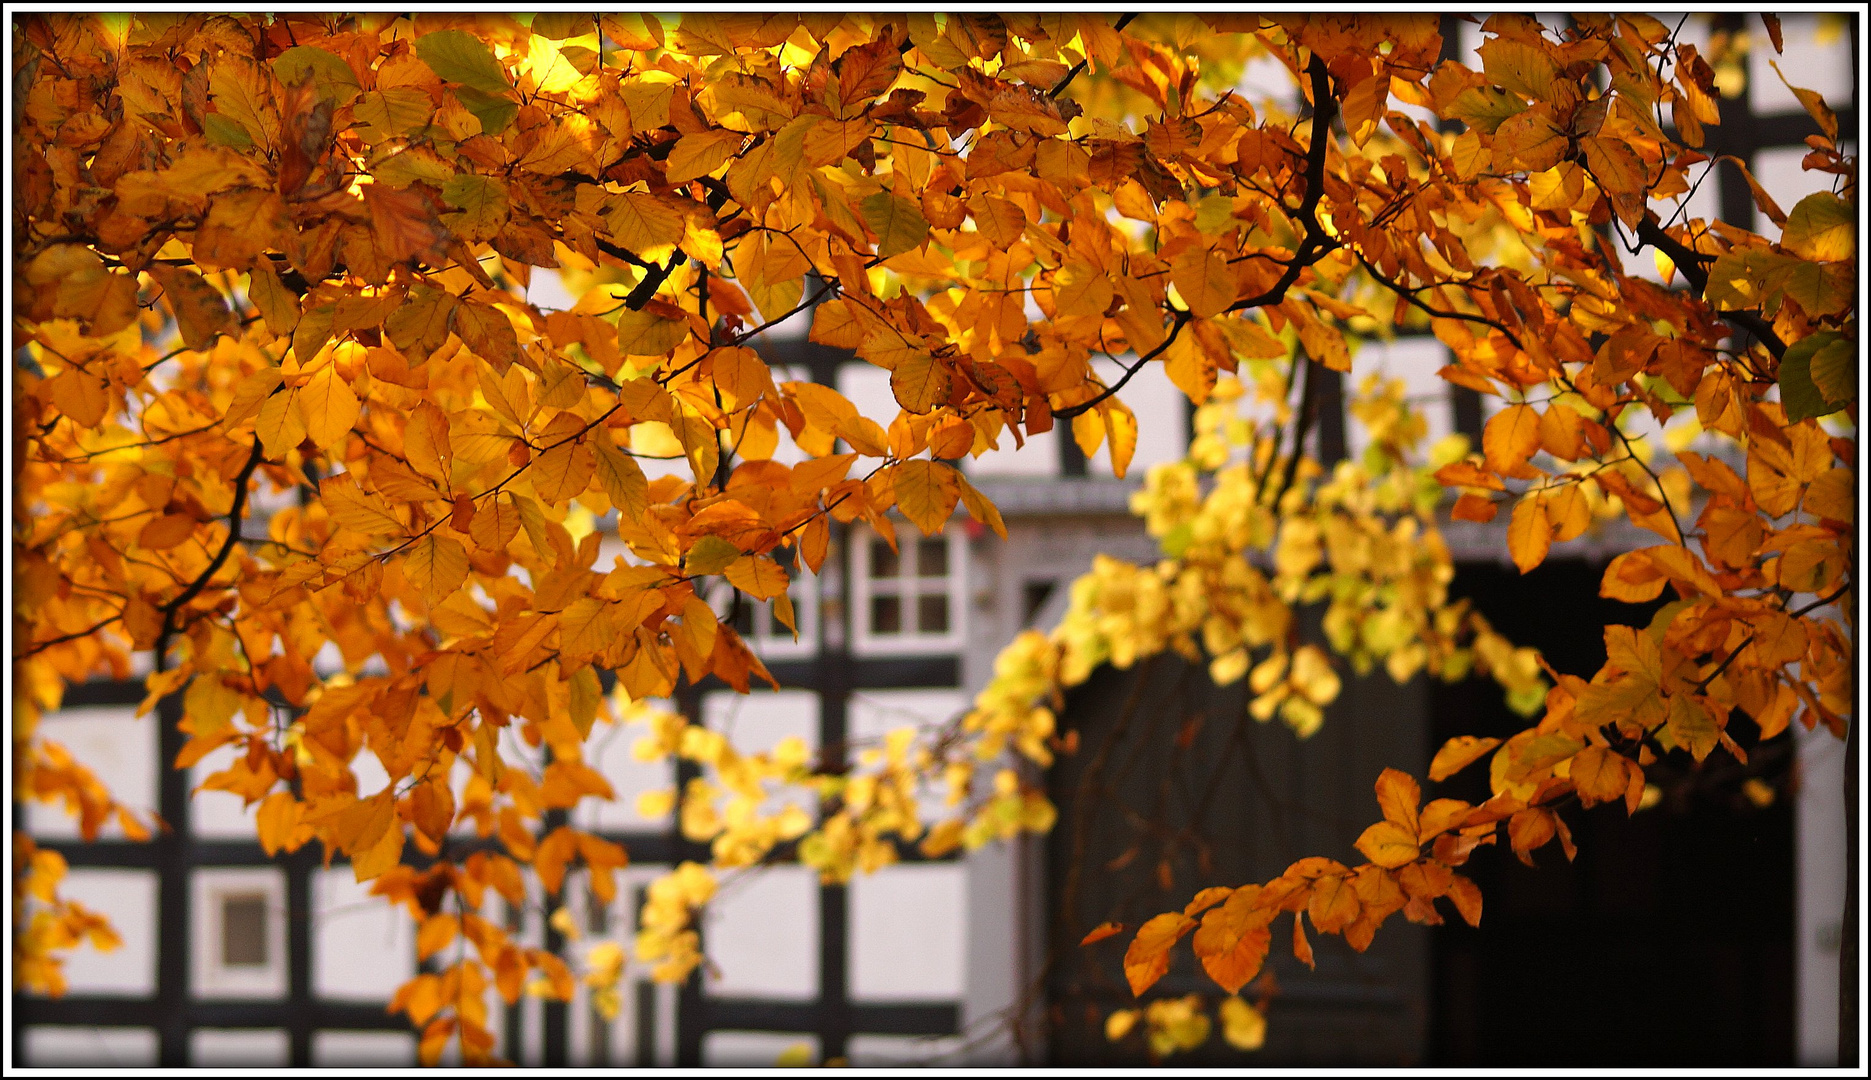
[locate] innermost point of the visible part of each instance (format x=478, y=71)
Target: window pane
x=743, y=621
x=932, y=556
x=932, y=614
x=883, y=560
x=886, y=615
x=243, y=930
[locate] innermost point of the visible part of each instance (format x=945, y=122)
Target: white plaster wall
x=908, y=933
x=1819, y=854
x=128, y=899
x=1162, y=412
x=363, y=1049
x=761, y=934
x=754, y=1049
x=1415, y=360
x=1818, y=57
x=235, y=1048
x=118, y=748
x=362, y=948
x=90, y=1047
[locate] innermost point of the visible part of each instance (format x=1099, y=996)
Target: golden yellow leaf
x=329, y=407
x=1387, y=844
x=437, y=566
x=354, y=508
x=1244, y=1026
x=700, y=153
x=927, y=492
x=1458, y=753
x=1510, y=438
x=1147, y=959
x=758, y=576
x=80, y=395
x=1205, y=281
x=921, y=382
x=239, y=226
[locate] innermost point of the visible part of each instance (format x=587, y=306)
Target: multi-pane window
x=908, y=597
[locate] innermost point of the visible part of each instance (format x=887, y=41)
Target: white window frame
x=866, y=641
x=209, y=889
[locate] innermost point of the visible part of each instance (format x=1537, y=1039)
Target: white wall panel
x=873, y=714
x=609, y=752
x=233, y=1048
x=219, y=815
x=1818, y=57
x=1779, y=171
x=116, y=746
x=1415, y=360
x=362, y=948
x=90, y=1047
x=128, y=899
x=908, y=933
x=363, y=1049
x=762, y=934
x=1162, y=418
x=755, y=1049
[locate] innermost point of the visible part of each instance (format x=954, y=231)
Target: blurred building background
x=1703, y=930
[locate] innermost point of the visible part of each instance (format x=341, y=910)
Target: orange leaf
x=1398, y=796
x=1102, y=931
x=1334, y=904
x=1528, y=534
x=1632, y=578
x=1467, y=897
x=1459, y=753
x=1511, y=437
x=1472, y=507
x=1389, y=845
x=1147, y=959
x=1302, y=948
x=927, y=492
x=1233, y=940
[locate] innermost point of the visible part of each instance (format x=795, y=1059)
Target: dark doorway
x=1670, y=940
x=1174, y=788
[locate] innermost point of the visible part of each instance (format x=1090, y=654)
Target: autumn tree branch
x=1059, y=88
x=1316, y=242
x=234, y=516
x=1690, y=263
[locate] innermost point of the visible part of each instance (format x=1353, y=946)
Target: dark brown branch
x=1302, y=424
x=41, y=646
x=1316, y=243
x=234, y=516
x=1121, y=23
x=1690, y=263
x=1409, y=296
x=1182, y=320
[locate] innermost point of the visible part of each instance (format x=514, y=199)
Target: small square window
x=238, y=938
x=743, y=620
x=884, y=563
x=886, y=615
x=243, y=930
x=932, y=613
x=932, y=557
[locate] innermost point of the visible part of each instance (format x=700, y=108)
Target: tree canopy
x=284, y=262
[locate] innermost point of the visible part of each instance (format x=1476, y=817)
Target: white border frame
x=866, y=643
x=208, y=977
